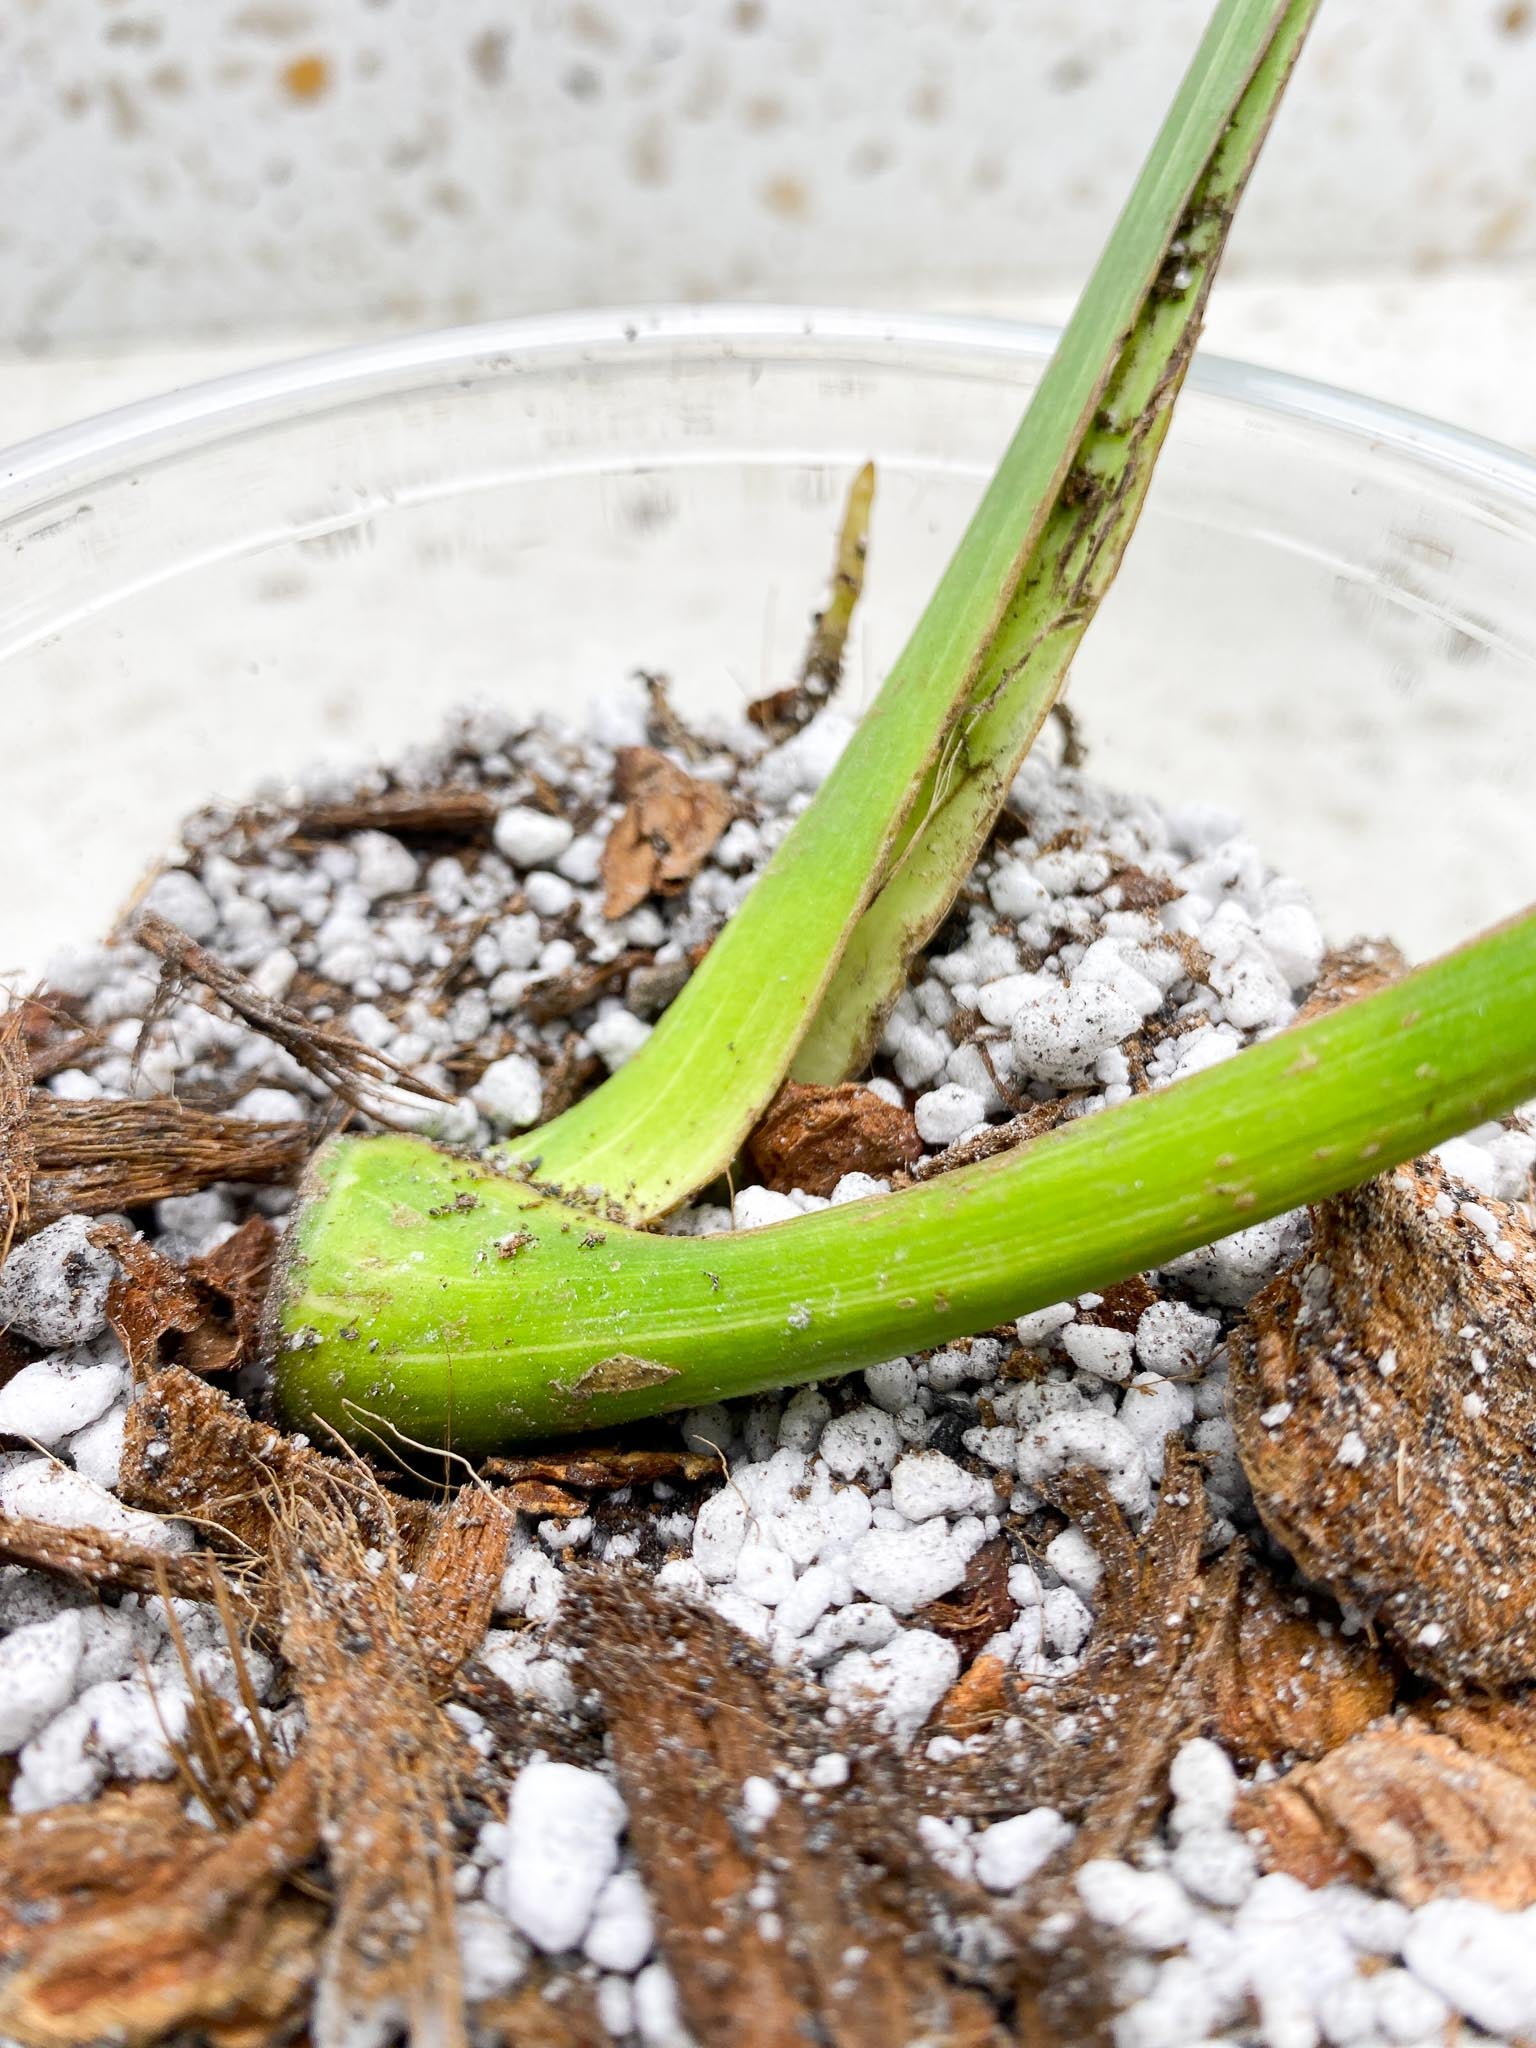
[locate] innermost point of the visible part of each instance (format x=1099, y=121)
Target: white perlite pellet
x=529, y=838
x=563, y=1828
x=53, y=1287
x=510, y=1093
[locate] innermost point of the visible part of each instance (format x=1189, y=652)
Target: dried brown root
x=1414, y=1812
x=669, y=825
x=1290, y=1684
x=1381, y=1396
x=561, y=995
x=360, y=1076
x=91, y=1157
x=810, y=1136
x=787, y=1930
x=665, y=725
x=52, y=1036
x=1022, y=1129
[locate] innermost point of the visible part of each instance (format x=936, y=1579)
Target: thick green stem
x=469, y=1308
x=1076, y=561
x=674, y=1116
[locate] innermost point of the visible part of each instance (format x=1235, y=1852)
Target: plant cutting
x=471, y=1304
x=1137, y=1648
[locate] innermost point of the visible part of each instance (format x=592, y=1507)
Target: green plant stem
x=398, y=1302
x=671, y=1119
x=1076, y=561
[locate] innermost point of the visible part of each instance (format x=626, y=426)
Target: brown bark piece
x=204, y=1939
x=603, y=1468
x=979, y=1608
x=1349, y=971
x=670, y=822
x=67, y=1856
x=1105, y=1740
x=154, y=1925
x=98, y=1156
x=1291, y=1685
x=1499, y=1728
x=693, y=1712
x=457, y=1580
x=236, y=1274
x=1140, y=890
x=811, y=1136
x=976, y=1702
x=152, y=1299
x=16, y=1151
x=467, y=814
x=548, y=2009
x=191, y=1451
x=97, y=1557
x=1148, y=1670
x=1382, y=1395
x=1430, y=1819
x=385, y=1770
x=1291, y=1835
x=1122, y=1306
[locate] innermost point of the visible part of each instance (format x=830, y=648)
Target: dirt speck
x=307, y=79
x=787, y=197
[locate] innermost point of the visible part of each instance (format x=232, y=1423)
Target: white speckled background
x=215, y=165
x=193, y=187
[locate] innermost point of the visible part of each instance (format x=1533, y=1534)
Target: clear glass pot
x=1327, y=622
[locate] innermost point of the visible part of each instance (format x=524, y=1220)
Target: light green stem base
x=400, y=1303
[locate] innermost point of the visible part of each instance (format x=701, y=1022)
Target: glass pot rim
x=35, y=470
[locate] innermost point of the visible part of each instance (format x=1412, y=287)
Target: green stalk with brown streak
x=1072, y=569
x=474, y=1308
x=674, y=1116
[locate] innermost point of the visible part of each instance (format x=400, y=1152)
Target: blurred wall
x=224, y=166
